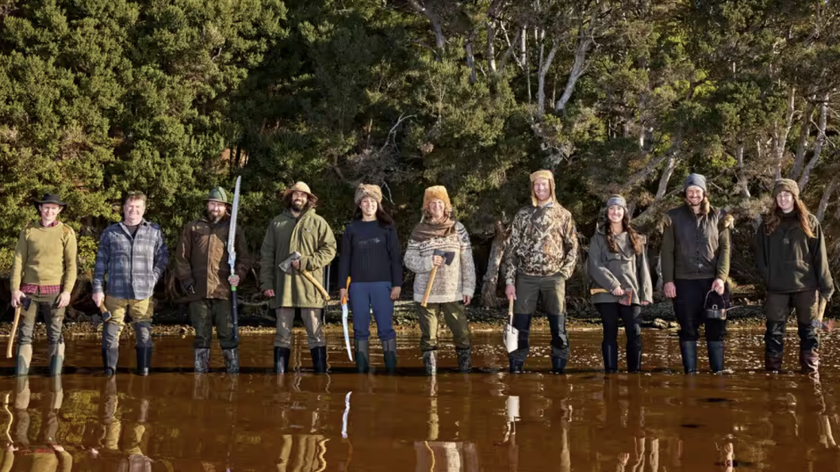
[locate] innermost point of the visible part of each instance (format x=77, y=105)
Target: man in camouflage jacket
x=542, y=256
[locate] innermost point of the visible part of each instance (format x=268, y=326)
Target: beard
x=215, y=217
x=298, y=205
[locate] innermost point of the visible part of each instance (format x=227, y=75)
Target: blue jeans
x=376, y=295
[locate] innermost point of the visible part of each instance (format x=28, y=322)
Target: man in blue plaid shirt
x=133, y=254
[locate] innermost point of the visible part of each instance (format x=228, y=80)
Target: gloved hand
x=188, y=285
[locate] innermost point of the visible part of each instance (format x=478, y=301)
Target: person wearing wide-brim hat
x=695, y=266
x=617, y=263
x=791, y=258
x=202, y=269
x=297, y=229
x=44, y=271
x=371, y=258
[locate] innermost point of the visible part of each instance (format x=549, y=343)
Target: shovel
x=344, y=315
x=626, y=300
x=510, y=335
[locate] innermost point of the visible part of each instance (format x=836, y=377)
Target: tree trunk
x=818, y=145
x=544, y=66
x=780, y=135
x=578, y=69
x=471, y=58
x=435, y=22
x=666, y=176
x=802, y=148
x=827, y=197
x=491, y=48
x=491, y=277
x=742, y=179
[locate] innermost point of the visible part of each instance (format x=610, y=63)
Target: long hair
x=775, y=217
x=635, y=237
x=385, y=220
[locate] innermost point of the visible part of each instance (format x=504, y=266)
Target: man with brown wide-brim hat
x=44, y=271
x=297, y=229
x=201, y=267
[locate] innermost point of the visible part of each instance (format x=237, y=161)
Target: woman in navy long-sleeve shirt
x=370, y=256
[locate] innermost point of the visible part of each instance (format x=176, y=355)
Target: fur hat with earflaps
x=786, y=185
x=368, y=190
x=542, y=174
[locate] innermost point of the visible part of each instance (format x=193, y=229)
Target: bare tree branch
x=818, y=145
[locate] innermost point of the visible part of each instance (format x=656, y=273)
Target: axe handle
x=316, y=284
x=12, y=334
x=429, y=287
x=594, y=291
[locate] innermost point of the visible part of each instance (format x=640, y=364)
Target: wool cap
x=368, y=190
x=786, y=185
x=695, y=180
x=617, y=200
x=542, y=174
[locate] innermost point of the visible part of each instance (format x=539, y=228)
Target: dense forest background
x=173, y=97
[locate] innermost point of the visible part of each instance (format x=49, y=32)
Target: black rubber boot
x=609, y=351
x=55, y=353
x=362, y=355
x=319, y=359
x=558, y=365
x=231, y=357
x=389, y=351
x=281, y=359
x=715, y=356
x=430, y=362
x=144, y=360
x=202, y=360
x=516, y=366
x=634, y=359
x=110, y=356
x=464, y=359
x=24, y=359
x=688, y=349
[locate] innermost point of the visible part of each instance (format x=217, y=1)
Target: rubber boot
x=609, y=351
x=109, y=360
x=634, y=359
x=430, y=362
x=24, y=359
x=389, y=351
x=202, y=360
x=558, y=365
x=715, y=356
x=319, y=359
x=688, y=350
x=144, y=360
x=281, y=359
x=464, y=359
x=362, y=355
x=517, y=366
x=809, y=361
x=231, y=357
x=773, y=361
x=55, y=353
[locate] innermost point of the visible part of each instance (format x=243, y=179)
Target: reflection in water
x=489, y=421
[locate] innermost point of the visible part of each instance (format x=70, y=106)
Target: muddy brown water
x=489, y=420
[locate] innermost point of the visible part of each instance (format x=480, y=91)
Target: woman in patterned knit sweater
x=370, y=256
x=439, y=241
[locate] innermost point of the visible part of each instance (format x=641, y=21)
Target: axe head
x=448, y=257
x=25, y=302
x=286, y=265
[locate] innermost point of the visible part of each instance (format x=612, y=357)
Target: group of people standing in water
x=541, y=256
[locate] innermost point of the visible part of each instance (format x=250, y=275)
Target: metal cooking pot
x=714, y=312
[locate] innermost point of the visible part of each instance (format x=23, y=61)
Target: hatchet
x=626, y=300
x=24, y=303
x=448, y=257
x=286, y=266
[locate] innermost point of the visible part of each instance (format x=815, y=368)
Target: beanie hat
x=542, y=174
x=437, y=192
x=786, y=185
x=695, y=180
x=617, y=200
x=363, y=191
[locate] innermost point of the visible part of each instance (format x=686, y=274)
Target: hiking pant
x=365, y=296
x=455, y=317
x=808, y=318
x=47, y=306
x=141, y=312
x=204, y=314
x=551, y=291
x=312, y=320
x=630, y=315
x=690, y=310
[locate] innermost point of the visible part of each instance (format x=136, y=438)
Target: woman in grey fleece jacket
x=619, y=270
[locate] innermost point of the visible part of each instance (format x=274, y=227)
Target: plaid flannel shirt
x=134, y=265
